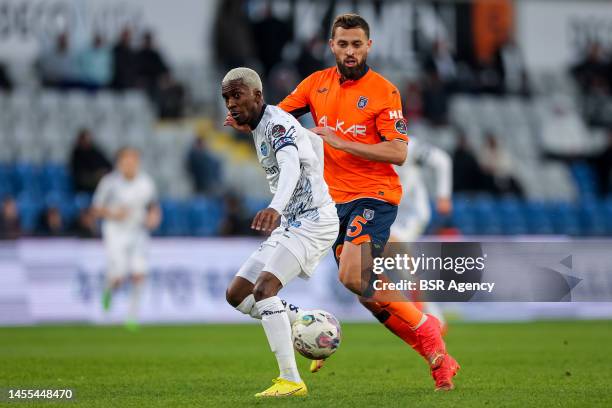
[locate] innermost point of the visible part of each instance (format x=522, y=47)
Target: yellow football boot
x=316, y=365
x=284, y=388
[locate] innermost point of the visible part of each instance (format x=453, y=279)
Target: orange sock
x=398, y=327
x=405, y=311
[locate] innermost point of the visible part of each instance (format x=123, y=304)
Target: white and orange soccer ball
x=316, y=334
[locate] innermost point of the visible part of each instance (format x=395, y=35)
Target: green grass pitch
x=546, y=364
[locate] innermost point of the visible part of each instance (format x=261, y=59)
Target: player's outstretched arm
x=393, y=152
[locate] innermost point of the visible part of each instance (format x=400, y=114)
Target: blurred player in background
x=414, y=215
x=359, y=114
x=302, y=204
x=126, y=200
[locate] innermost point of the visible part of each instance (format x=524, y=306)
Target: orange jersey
x=368, y=110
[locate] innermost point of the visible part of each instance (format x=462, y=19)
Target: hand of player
x=266, y=220
x=444, y=206
x=230, y=121
x=153, y=218
x=330, y=137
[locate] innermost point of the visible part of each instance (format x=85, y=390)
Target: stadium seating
x=38, y=127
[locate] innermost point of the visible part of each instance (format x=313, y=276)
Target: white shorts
x=127, y=254
x=308, y=241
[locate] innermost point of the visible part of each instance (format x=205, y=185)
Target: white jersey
x=115, y=191
x=422, y=154
x=278, y=130
x=414, y=212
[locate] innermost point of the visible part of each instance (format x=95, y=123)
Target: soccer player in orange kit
x=359, y=116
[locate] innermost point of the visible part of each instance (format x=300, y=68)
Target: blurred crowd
x=88, y=164
x=268, y=43
x=593, y=74
x=132, y=62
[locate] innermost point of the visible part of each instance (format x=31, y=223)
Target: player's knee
x=351, y=282
x=233, y=297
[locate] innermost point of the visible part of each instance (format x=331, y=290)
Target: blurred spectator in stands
x=51, y=223
x=441, y=63
x=498, y=164
x=489, y=77
x=59, y=66
x=413, y=101
x=271, y=35
x=281, y=82
x=435, y=100
x=96, y=64
x=151, y=64
x=602, y=164
x=510, y=65
x=204, y=167
x=233, y=36
x=9, y=219
x=125, y=68
x=5, y=81
x=467, y=174
x=85, y=225
x=312, y=56
x=87, y=163
x=236, y=221
x=155, y=77
x=591, y=72
x=440, y=82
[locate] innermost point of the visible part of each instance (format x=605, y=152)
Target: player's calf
x=267, y=285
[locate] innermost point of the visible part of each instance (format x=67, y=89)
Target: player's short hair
x=248, y=76
x=349, y=20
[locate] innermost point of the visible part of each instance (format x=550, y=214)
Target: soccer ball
x=316, y=334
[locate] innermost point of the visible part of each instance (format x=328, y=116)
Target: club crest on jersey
x=278, y=131
x=401, y=126
x=263, y=149
x=368, y=214
x=362, y=102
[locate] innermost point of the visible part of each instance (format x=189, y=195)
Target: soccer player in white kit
x=126, y=200
x=291, y=157
x=414, y=214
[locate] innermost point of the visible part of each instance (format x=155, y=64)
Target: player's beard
x=351, y=73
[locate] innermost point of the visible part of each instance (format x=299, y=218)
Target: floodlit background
x=517, y=92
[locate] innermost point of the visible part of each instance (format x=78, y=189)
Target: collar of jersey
x=350, y=82
x=256, y=122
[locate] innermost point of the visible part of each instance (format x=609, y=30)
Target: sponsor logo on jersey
x=277, y=131
x=355, y=130
x=264, y=149
x=362, y=102
x=401, y=126
x=322, y=90
x=396, y=114
x=295, y=224
x=271, y=170
x=368, y=214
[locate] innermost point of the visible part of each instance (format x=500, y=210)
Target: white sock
x=278, y=331
x=247, y=306
x=292, y=311
x=135, y=301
